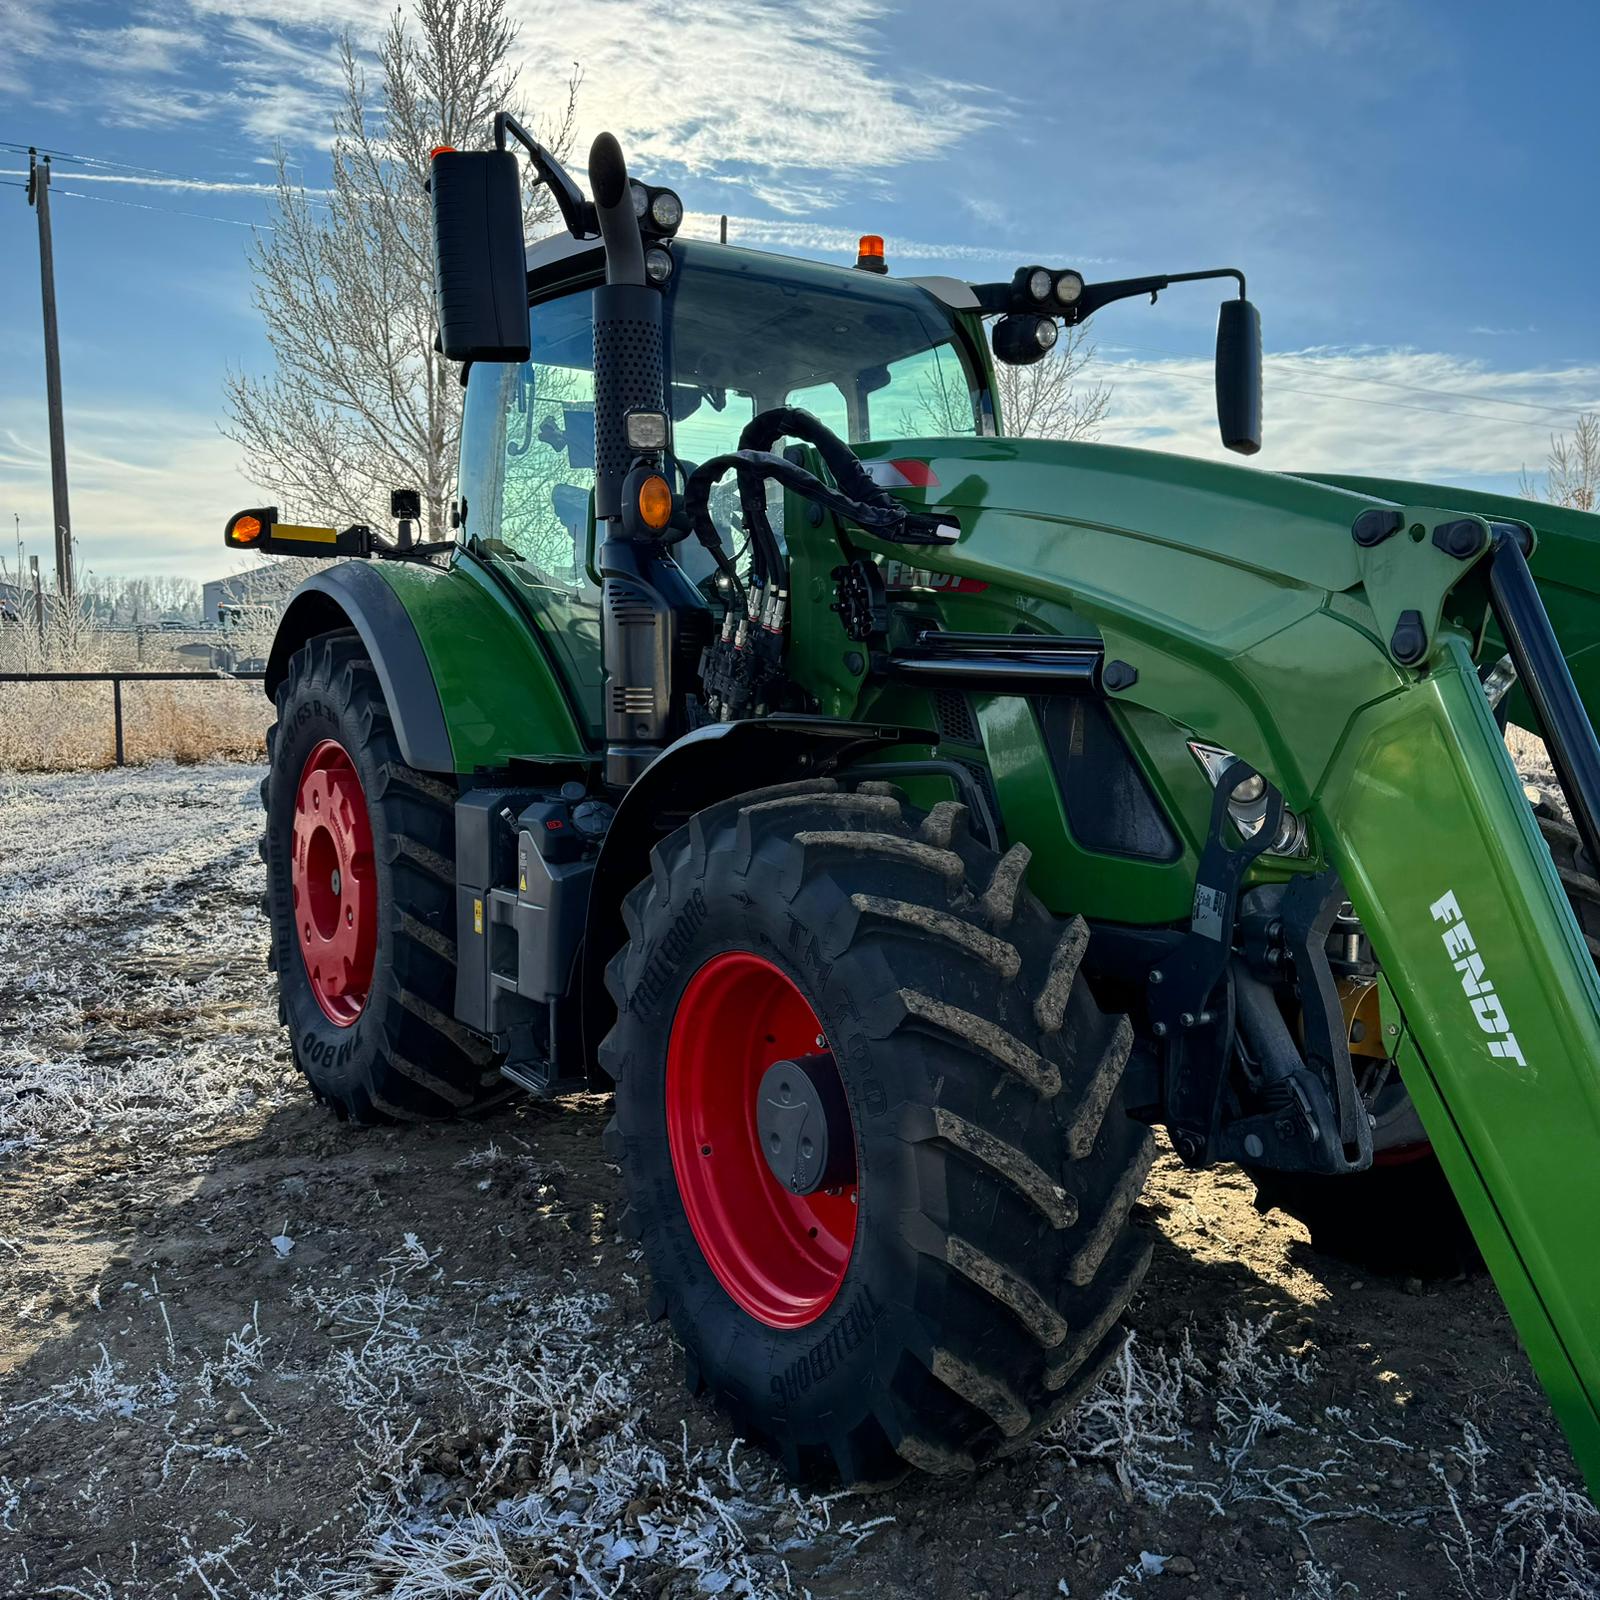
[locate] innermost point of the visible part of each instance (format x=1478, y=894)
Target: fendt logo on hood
x=900, y=577
x=1486, y=1005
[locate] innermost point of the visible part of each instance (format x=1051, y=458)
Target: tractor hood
x=1291, y=528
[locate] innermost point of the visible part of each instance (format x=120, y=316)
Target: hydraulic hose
x=858, y=498
x=1263, y=1025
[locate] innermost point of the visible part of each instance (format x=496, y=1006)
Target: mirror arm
x=576, y=212
x=998, y=299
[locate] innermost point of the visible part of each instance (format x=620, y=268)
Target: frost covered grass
x=130, y=942
x=1241, y=1435
x=65, y=727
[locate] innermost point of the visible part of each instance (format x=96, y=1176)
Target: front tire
x=978, y=1285
x=360, y=857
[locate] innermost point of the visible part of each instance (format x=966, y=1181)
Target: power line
x=92, y=161
x=171, y=211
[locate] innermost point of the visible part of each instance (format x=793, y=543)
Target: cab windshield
x=872, y=358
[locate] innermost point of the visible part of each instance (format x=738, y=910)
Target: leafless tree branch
x=359, y=401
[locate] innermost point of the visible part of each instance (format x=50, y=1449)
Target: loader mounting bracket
x=1190, y=1004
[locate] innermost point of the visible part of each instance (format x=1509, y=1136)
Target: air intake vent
x=631, y=606
x=632, y=701
x=952, y=715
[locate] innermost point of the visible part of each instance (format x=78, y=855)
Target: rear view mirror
x=480, y=272
x=1239, y=376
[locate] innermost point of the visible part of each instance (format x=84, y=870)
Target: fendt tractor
x=905, y=820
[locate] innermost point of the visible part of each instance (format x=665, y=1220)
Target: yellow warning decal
x=477, y=916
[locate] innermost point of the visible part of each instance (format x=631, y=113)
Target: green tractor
x=905, y=819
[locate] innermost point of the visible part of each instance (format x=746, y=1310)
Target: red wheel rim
x=780, y=1256
x=335, y=889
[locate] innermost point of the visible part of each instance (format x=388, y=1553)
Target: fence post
x=116, y=711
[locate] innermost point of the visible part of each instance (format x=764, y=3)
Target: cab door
x=527, y=486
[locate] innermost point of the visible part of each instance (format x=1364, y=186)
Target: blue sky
x=1408, y=185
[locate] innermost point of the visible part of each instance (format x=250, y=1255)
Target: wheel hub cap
x=804, y=1125
x=334, y=888
x=761, y=1139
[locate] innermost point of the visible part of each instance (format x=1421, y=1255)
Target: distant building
x=14, y=602
x=255, y=586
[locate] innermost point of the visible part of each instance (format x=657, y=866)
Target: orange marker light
x=869, y=253
x=441, y=150
x=246, y=530
x=655, y=502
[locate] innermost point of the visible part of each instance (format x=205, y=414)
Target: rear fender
x=468, y=682
x=711, y=764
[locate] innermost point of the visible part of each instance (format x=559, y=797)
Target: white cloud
x=756, y=93
x=150, y=487
x=1401, y=413
x=711, y=89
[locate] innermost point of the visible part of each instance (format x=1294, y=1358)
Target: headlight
x=657, y=264
x=641, y=199
x=1045, y=332
x=666, y=210
x=1068, y=287
x=1247, y=803
x=1039, y=284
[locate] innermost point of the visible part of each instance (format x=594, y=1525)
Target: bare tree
x=360, y=401
x=1572, y=468
x=1047, y=400
x=1051, y=399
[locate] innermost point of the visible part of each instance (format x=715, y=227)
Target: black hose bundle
x=857, y=497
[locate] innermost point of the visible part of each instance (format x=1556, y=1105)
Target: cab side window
x=527, y=477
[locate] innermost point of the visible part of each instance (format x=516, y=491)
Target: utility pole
x=39, y=199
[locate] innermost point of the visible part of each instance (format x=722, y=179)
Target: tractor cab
x=744, y=333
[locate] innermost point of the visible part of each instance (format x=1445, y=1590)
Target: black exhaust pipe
x=646, y=600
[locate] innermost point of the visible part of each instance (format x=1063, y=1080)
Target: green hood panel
x=1291, y=528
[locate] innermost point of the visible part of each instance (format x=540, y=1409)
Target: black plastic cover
x=480, y=274
x=1110, y=807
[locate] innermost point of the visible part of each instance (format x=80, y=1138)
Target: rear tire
x=1401, y=1216
x=390, y=1051
x=992, y=1253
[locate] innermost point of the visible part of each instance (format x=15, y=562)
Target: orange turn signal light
x=246, y=529
x=655, y=502
x=441, y=150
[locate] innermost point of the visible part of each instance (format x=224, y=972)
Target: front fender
x=711, y=764
x=354, y=595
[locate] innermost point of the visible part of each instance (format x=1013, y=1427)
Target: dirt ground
x=246, y=1351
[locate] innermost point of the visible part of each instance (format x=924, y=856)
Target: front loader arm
x=1439, y=852
x=1565, y=562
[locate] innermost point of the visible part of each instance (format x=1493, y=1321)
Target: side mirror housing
x=1239, y=376
x=480, y=271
